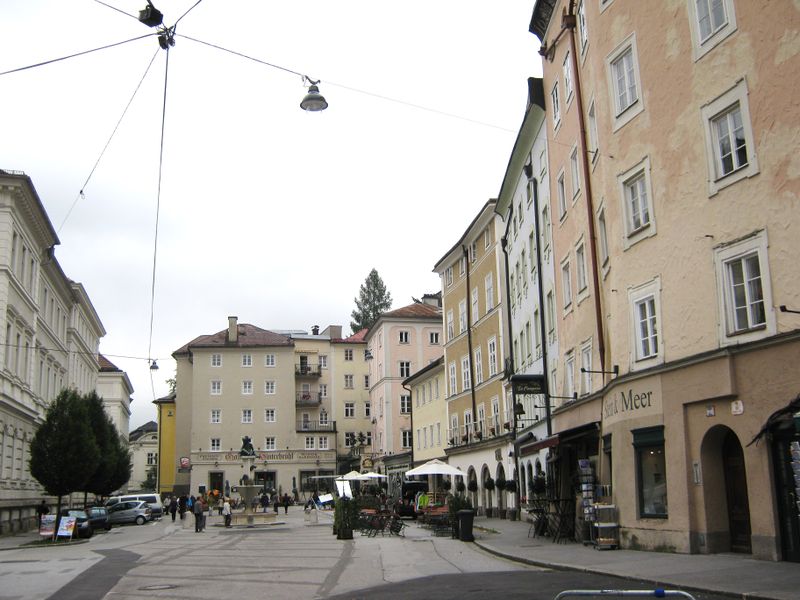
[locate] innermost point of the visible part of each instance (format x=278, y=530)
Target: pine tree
x=373, y=300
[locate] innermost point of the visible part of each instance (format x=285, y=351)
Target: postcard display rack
x=602, y=518
x=795, y=449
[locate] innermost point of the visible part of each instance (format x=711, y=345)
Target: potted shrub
x=539, y=485
x=446, y=485
x=460, y=487
x=344, y=518
x=472, y=486
x=511, y=486
x=488, y=484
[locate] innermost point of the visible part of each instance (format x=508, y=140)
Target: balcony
x=307, y=370
x=315, y=426
x=308, y=399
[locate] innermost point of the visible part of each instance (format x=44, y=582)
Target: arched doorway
x=727, y=506
x=501, y=493
x=487, y=494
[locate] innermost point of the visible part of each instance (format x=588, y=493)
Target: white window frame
x=583, y=30
x=270, y=415
x=478, y=365
x=566, y=68
x=555, y=107
x=574, y=167
x=216, y=387
x=569, y=374
x=721, y=105
x=247, y=387
x=756, y=243
x=475, y=306
x=433, y=338
x=323, y=361
x=309, y=439
x=406, y=438
x=638, y=172
x=462, y=316
x=586, y=365
x=349, y=410
x=247, y=360
x=215, y=444
x=405, y=404
x=216, y=416
x=348, y=381
x=323, y=442
x=594, y=139
x=404, y=368
x=216, y=360
x=581, y=279
x=566, y=285
x=269, y=443
x=466, y=380
x=247, y=416
x=637, y=295
x=702, y=46
x=451, y=328
x=402, y=337
x=622, y=115
x=269, y=360
x=602, y=234
x=452, y=378
x=269, y=387
x=561, y=193
x=448, y=276
x=348, y=354
x=491, y=345
x=323, y=390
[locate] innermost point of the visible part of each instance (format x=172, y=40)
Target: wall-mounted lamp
x=788, y=310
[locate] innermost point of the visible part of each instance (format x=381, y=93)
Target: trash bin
x=465, y=518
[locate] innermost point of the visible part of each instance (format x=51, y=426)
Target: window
x=569, y=374
x=452, y=378
x=406, y=438
x=462, y=316
x=366, y=382
x=269, y=415
x=462, y=266
x=545, y=228
x=586, y=366
x=645, y=310
x=466, y=382
x=323, y=361
x=528, y=337
x=580, y=266
x=433, y=338
x=562, y=196
x=403, y=337
x=567, y=68
x=349, y=439
x=536, y=329
x=647, y=329
x=323, y=390
x=478, y=366
x=367, y=409
x=651, y=471
x=472, y=252
x=269, y=388
x=555, y=107
x=448, y=276
x=348, y=382
x=269, y=360
x=603, y=235
x=216, y=387
x=474, y=308
x=309, y=442
x=635, y=190
x=730, y=143
x=247, y=387
x=215, y=444
x=247, y=360
x=712, y=21
x=566, y=283
x=551, y=313
x=745, y=297
x=368, y=438
x=405, y=404
x=247, y=415
x=323, y=417
x=216, y=415
x=583, y=32
x=576, y=177
x=489, y=283
x=487, y=237
x=451, y=333
x=624, y=85
x=323, y=443
x=593, y=137
x=492, y=346
x=348, y=354
x=216, y=360
x=405, y=368
x=152, y=458
x=349, y=410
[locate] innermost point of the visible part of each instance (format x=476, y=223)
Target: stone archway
x=473, y=496
x=726, y=502
x=501, y=493
x=485, y=494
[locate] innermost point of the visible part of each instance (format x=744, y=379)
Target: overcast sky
x=266, y=212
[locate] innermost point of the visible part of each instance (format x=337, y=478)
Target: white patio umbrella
x=435, y=467
x=351, y=476
x=372, y=475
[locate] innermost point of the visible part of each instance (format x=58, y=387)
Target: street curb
x=594, y=571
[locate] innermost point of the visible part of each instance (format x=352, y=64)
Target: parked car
x=152, y=499
x=98, y=516
x=83, y=526
x=131, y=511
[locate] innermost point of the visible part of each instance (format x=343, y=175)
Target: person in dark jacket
x=286, y=501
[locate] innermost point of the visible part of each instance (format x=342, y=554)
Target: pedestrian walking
x=42, y=510
x=286, y=501
x=276, y=502
x=226, y=511
x=173, y=507
x=264, y=502
x=197, y=510
x=183, y=503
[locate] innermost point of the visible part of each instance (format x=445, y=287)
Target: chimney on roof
x=315, y=330
x=233, y=330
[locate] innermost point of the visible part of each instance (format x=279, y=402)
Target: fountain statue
x=248, y=489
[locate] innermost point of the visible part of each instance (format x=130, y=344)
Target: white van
x=152, y=499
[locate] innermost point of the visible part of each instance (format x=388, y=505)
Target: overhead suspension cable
x=54, y=60
x=117, y=9
x=99, y=158
x=187, y=12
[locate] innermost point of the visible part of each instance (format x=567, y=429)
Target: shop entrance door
x=216, y=481
x=265, y=479
x=736, y=492
x=787, y=496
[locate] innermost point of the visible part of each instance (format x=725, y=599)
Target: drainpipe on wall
x=568, y=23
x=469, y=343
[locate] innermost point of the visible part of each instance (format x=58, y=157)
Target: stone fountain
x=248, y=490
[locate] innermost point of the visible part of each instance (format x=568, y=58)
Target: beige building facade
x=674, y=198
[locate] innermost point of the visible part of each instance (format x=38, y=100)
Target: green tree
x=105, y=435
x=149, y=483
x=373, y=300
x=64, y=453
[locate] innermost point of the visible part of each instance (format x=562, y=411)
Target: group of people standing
x=198, y=506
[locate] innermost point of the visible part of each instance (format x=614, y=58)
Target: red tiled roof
x=357, y=338
x=249, y=336
x=418, y=310
x=106, y=365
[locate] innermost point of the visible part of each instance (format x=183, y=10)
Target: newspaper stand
x=605, y=527
x=656, y=593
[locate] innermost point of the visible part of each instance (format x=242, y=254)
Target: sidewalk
x=731, y=574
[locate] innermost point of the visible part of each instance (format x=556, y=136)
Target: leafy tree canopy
x=373, y=300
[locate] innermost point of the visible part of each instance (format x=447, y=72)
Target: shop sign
x=185, y=462
x=268, y=456
x=632, y=402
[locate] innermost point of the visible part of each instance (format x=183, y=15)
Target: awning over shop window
x=578, y=432
x=648, y=436
x=538, y=445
